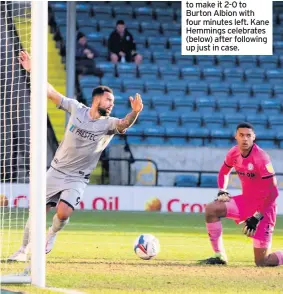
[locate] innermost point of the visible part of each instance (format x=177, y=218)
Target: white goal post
x=38, y=156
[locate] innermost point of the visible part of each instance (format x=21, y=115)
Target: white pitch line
x=62, y=290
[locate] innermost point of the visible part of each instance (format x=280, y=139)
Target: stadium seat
x=248, y=106
x=259, y=121
x=205, y=60
x=278, y=91
x=255, y=75
x=89, y=81
x=226, y=61
x=198, y=137
x=189, y=180
x=148, y=119
x=229, y=105
x=268, y=61
x=240, y=90
x=133, y=27
x=164, y=58
x=108, y=68
x=102, y=12
x=59, y=6
x=264, y=91
x=177, y=88
x=247, y=61
x=183, y=105
x=278, y=47
x=159, y=43
x=143, y=13
x=154, y=135
x=233, y=120
x=170, y=72
x=140, y=42
x=126, y=70
x=275, y=76
x=205, y=105
x=279, y=138
x=213, y=120
x=208, y=180
x=183, y=60
x=115, y=84
x=122, y=102
x=171, y=29
x=191, y=74
x=212, y=75
x=151, y=28
x=134, y=86
x=271, y=106
x=135, y=134
x=276, y=122
x=148, y=71
x=123, y=12
x=175, y=43
x=164, y=15
x=219, y=90
x=221, y=137
x=176, y=136
x=234, y=75
x=160, y=104
x=198, y=89
x=169, y=119
x=155, y=88
x=191, y=120
x=266, y=139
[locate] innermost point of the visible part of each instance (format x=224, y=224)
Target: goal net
x=15, y=137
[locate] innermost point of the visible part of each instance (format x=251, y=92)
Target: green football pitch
x=94, y=254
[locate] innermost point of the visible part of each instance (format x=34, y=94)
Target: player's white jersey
x=84, y=140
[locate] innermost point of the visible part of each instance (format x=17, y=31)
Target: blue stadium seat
x=268, y=61
x=255, y=75
x=278, y=91
x=115, y=84
x=189, y=180
x=122, y=102
x=213, y=120
x=108, y=68
x=176, y=136
x=247, y=61
x=205, y=105
x=234, y=75
x=249, y=106
x=205, y=60
x=89, y=81
x=175, y=43
x=123, y=12
x=183, y=105
x=177, y=88
x=148, y=119
x=198, y=137
x=164, y=15
x=183, y=60
x=143, y=13
x=133, y=27
x=233, y=120
x=160, y=104
x=87, y=93
x=102, y=12
x=134, y=86
x=171, y=29
x=169, y=118
x=164, y=58
x=95, y=37
x=275, y=76
x=151, y=28
x=226, y=61
x=266, y=139
x=259, y=121
x=107, y=24
x=228, y=105
x=83, y=7
x=140, y=42
x=126, y=70
x=221, y=137
x=208, y=180
x=271, y=106
x=240, y=90
x=276, y=122
x=154, y=135
x=198, y=89
x=119, y=113
x=159, y=43
x=212, y=75
x=191, y=120
x=219, y=90
x=135, y=134
x=155, y=88
x=170, y=72
x=191, y=74
x=262, y=91
x=278, y=47
x=117, y=140
x=148, y=71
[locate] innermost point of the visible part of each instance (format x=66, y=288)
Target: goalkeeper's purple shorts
x=239, y=210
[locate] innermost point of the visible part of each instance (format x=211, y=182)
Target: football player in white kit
x=89, y=131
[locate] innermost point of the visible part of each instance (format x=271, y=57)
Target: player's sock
x=279, y=255
x=26, y=235
x=215, y=235
x=58, y=224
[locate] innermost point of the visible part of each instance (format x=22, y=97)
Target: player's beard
x=102, y=111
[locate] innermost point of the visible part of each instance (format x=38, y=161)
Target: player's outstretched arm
x=52, y=94
x=129, y=120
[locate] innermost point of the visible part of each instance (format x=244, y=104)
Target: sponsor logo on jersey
x=269, y=168
x=249, y=175
x=250, y=166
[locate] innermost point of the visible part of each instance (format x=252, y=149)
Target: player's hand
x=223, y=196
x=25, y=60
x=251, y=224
x=136, y=103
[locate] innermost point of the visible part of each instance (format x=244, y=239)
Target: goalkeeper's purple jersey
x=84, y=140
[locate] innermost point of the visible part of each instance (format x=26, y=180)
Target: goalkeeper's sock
x=26, y=235
x=58, y=224
x=279, y=255
x=215, y=235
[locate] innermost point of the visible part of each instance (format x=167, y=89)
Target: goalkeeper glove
x=223, y=196
x=251, y=224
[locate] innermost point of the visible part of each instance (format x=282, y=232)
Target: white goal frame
x=38, y=148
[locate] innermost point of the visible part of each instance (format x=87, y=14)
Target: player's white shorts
x=69, y=189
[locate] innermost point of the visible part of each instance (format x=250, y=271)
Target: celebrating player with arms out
x=88, y=133
x=256, y=206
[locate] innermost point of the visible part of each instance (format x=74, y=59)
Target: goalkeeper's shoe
x=50, y=240
x=218, y=259
x=21, y=255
